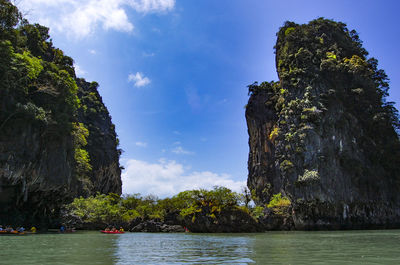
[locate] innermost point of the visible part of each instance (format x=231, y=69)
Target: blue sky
x=173, y=74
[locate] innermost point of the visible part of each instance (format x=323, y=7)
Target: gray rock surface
x=321, y=135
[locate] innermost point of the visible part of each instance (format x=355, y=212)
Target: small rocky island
x=324, y=137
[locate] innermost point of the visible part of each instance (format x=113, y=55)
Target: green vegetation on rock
x=325, y=134
x=48, y=154
x=279, y=205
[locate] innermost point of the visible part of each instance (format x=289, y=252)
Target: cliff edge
x=324, y=137
x=57, y=140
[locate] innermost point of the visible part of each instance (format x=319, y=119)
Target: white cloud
x=147, y=6
x=141, y=144
x=167, y=178
x=91, y=51
x=139, y=79
x=180, y=151
x=81, y=18
x=193, y=98
x=222, y=101
x=79, y=71
x=148, y=54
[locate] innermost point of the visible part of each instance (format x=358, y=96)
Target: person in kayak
x=1, y=228
x=33, y=229
x=121, y=229
x=113, y=229
x=107, y=229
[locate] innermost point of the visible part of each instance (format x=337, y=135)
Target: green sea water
x=328, y=247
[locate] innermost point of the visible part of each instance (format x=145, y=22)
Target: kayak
x=112, y=232
x=3, y=232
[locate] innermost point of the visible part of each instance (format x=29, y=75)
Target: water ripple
x=154, y=249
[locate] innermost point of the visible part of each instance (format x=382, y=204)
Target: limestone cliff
x=56, y=136
x=324, y=135
x=102, y=140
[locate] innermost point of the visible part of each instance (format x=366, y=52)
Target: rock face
x=227, y=221
x=102, y=144
x=51, y=149
x=324, y=136
x=157, y=227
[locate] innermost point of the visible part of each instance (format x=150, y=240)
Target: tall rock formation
x=324, y=135
x=56, y=136
x=102, y=142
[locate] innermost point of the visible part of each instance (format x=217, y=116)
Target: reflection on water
x=143, y=248
x=336, y=247
x=328, y=247
x=76, y=248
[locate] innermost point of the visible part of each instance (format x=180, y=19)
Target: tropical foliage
x=113, y=208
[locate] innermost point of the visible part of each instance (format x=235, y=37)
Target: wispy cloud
x=148, y=54
x=141, y=144
x=167, y=178
x=180, y=151
x=222, y=101
x=139, y=79
x=146, y=6
x=81, y=18
x=193, y=98
x=79, y=71
x=91, y=51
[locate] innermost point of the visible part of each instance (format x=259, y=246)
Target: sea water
x=328, y=247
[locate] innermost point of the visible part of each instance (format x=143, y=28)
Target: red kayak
x=4, y=232
x=112, y=232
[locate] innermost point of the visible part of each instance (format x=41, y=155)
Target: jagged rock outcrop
x=324, y=135
x=50, y=150
x=102, y=143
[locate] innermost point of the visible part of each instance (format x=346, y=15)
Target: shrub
x=286, y=165
x=257, y=212
x=279, y=205
x=274, y=133
x=331, y=55
x=32, y=64
x=289, y=30
x=309, y=176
